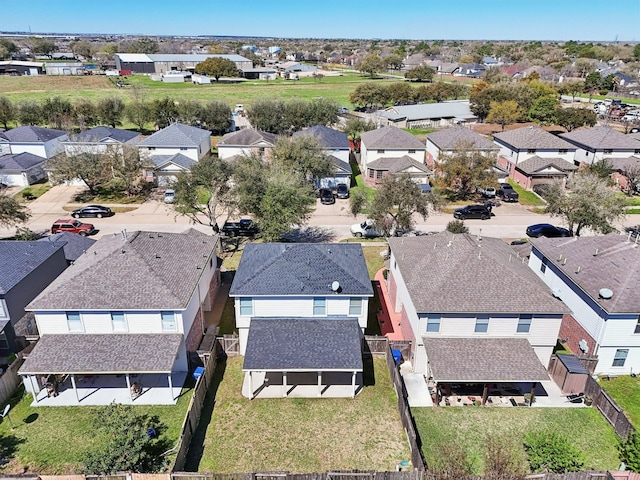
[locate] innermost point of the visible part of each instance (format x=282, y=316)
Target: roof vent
x=605, y=293
x=335, y=287
x=596, y=252
x=556, y=292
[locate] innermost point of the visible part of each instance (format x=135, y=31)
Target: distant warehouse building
x=162, y=63
x=75, y=68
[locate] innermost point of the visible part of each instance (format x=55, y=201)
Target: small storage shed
x=569, y=374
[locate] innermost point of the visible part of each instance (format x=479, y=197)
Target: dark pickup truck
x=243, y=228
x=507, y=193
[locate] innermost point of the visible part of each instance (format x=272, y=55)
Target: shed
x=568, y=373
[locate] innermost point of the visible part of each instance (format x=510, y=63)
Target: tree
x=400, y=93
x=92, y=168
x=29, y=113
x=394, y=61
x=543, y=110
x=296, y=115
x=367, y=94
x=7, y=47
x=630, y=450
x=83, y=48
x=420, y=74
x=372, y=64
x=268, y=115
x=164, y=112
x=7, y=111
x=190, y=112
x=504, y=113
x=354, y=127
x=571, y=118
x=125, y=443
x=143, y=45
x=41, y=46
x=465, y=168
x=602, y=168
x=552, y=452
x=111, y=111
x=457, y=226
x=57, y=111
x=126, y=164
x=593, y=81
x=217, y=67
x=589, y=203
x=636, y=51
x=12, y=212
x=216, y=116
x=303, y=156
x=138, y=111
x=632, y=174
x=323, y=111
x=85, y=114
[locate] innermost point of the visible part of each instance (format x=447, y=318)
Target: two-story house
x=301, y=310
x=119, y=324
x=100, y=139
x=389, y=142
x=40, y=141
x=472, y=309
x=597, y=143
x=450, y=140
x=247, y=141
x=177, y=138
x=597, y=278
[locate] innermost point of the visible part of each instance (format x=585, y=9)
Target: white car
x=366, y=229
x=169, y=196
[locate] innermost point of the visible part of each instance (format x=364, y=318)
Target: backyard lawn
x=625, y=390
x=527, y=197
x=52, y=440
x=471, y=426
x=302, y=435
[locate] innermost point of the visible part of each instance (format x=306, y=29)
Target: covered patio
x=483, y=371
x=67, y=370
x=303, y=358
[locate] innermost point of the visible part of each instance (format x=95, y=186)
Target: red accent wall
x=521, y=179
x=405, y=327
x=393, y=290
x=573, y=331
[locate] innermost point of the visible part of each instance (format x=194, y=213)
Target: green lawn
x=526, y=197
x=625, y=390
x=33, y=191
x=52, y=440
x=302, y=435
x=469, y=428
x=631, y=201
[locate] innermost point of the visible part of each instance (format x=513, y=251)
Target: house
x=22, y=169
x=40, y=141
x=447, y=141
x=167, y=167
x=335, y=144
x=595, y=143
x=432, y=115
x=451, y=311
x=99, y=139
x=540, y=171
x=27, y=268
x=597, y=278
x=246, y=142
x=405, y=165
x=72, y=245
x=521, y=144
x=389, y=142
x=191, y=142
x=473, y=70
x=301, y=310
x=120, y=323
x=621, y=168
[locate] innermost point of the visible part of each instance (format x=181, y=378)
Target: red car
x=73, y=226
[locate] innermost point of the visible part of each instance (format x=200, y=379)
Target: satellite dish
x=335, y=286
x=605, y=293
x=6, y=410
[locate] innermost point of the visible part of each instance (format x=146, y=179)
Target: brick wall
x=570, y=329
x=393, y=291
x=194, y=337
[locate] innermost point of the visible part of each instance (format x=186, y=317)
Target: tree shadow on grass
x=8, y=447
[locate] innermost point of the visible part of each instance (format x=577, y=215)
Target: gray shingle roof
x=397, y=165
x=327, y=137
x=303, y=344
x=160, y=161
x=621, y=164
x=616, y=267
x=149, y=270
x=340, y=165
x=20, y=258
x=532, y=137
x=103, y=353
x=447, y=273
x=102, y=134
x=30, y=134
x=483, y=360
x=73, y=245
x=19, y=162
x=247, y=137
x=456, y=137
x=390, y=138
x=176, y=135
x=601, y=138
x=452, y=109
x=301, y=269
x=534, y=164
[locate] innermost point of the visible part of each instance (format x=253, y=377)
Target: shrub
x=457, y=226
x=630, y=452
x=551, y=452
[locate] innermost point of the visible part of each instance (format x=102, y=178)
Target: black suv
x=342, y=190
x=243, y=228
x=326, y=196
x=473, y=211
x=507, y=193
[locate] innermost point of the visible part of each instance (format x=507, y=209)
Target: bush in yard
x=552, y=452
x=630, y=452
x=457, y=226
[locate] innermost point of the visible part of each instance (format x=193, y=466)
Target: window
x=246, y=306
x=620, y=357
x=482, y=324
x=184, y=148
x=3, y=310
x=74, y=322
x=118, y=322
x=4, y=343
x=608, y=152
x=169, y=322
x=380, y=151
x=319, y=306
x=543, y=265
x=151, y=148
x=412, y=151
x=371, y=173
x=637, y=330
x=636, y=152
x=355, y=306
x=531, y=150
x=433, y=323
x=379, y=174
x=524, y=323
x=562, y=151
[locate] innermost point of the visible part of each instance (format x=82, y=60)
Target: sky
x=562, y=20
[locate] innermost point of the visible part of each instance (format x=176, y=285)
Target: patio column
x=353, y=384
x=33, y=388
x=251, y=384
x=319, y=383
x=126, y=377
x=75, y=389
x=485, y=393
x=284, y=384
x=170, y=386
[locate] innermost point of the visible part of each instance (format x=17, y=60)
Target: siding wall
x=190, y=152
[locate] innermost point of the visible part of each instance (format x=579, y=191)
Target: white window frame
x=119, y=322
x=433, y=323
x=482, y=324
x=620, y=357
x=355, y=306
x=166, y=321
x=246, y=306
x=74, y=322
x=524, y=321
x=319, y=306
x=3, y=309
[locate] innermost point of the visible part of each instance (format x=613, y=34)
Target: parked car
x=243, y=228
x=487, y=192
x=342, y=190
x=169, y=196
x=507, y=193
x=326, y=196
x=367, y=229
x=97, y=211
x=73, y=226
x=547, y=230
x=483, y=212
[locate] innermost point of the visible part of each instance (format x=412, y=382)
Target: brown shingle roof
x=149, y=270
x=247, y=137
x=451, y=138
x=397, y=165
x=532, y=137
x=534, y=164
x=601, y=138
x=390, y=138
x=483, y=360
x=447, y=273
x=616, y=267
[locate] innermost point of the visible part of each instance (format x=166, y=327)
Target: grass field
x=470, y=427
x=625, y=390
x=49, y=440
x=302, y=435
x=526, y=197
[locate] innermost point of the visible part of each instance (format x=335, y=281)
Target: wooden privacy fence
x=230, y=344
x=608, y=408
x=10, y=379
